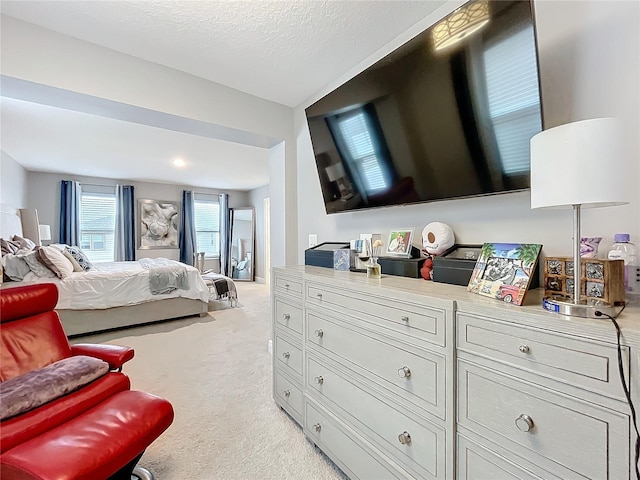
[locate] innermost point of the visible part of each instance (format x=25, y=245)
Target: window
x=98, y=223
x=514, y=99
x=207, y=216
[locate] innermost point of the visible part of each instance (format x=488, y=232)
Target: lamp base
x=582, y=309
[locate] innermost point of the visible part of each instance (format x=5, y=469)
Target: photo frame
x=399, y=243
x=504, y=271
x=158, y=224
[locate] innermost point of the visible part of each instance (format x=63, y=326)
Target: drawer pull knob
x=319, y=295
x=524, y=423
x=317, y=427
x=404, y=438
x=405, y=318
x=319, y=333
x=286, y=355
x=404, y=372
x=286, y=285
x=319, y=380
x=524, y=348
x=287, y=393
x=286, y=316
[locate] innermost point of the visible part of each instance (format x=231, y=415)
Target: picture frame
x=504, y=271
x=399, y=243
x=158, y=224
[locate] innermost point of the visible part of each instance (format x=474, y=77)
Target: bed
x=83, y=305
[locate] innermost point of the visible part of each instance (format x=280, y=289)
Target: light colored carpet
x=216, y=371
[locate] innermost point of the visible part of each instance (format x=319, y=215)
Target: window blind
x=97, y=225
x=207, y=218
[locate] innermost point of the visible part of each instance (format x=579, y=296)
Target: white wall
x=13, y=182
x=589, y=60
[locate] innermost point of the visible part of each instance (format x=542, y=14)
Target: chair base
x=141, y=473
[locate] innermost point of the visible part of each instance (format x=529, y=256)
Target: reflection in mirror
x=242, y=243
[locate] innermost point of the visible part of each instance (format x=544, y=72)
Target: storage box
x=401, y=267
x=322, y=255
x=456, y=265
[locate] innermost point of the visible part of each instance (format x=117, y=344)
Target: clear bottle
x=373, y=269
x=625, y=250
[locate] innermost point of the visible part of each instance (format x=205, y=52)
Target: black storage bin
x=322, y=255
x=401, y=267
x=456, y=265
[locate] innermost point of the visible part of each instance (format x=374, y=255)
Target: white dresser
x=403, y=378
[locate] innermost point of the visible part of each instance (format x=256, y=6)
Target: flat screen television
x=426, y=124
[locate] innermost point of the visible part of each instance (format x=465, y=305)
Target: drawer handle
x=287, y=393
x=319, y=380
x=524, y=423
x=524, y=348
x=404, y=372
x=318, y=333
x=286, y=355
x=404, y=318
x=317, y=427
x=286, y=285
x=319, y=295
x=286, y=316
x=404, y=438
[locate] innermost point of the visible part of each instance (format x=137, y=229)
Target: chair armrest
x=114, y=355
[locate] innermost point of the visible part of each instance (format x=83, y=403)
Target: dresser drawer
x=585, y=364
x=357, y=461
x=476, y=462
x=288, y=285
x=288, y=316
x=288, y=395
x=408, y=318
x=288, y=356
x=418, y=377
x=424, y=454
x=494, y=406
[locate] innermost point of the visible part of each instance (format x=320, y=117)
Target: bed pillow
x=15, y=267
x=9, y=246
x=24, y=242
x=80, y=257
x=55, y=260
x=36, y=266
x=76, y=265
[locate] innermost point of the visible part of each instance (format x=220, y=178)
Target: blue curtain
x=125, y=241
x=188, y=228
x=69, y=212
x=225, y=235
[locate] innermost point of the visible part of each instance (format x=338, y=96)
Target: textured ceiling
x=283, y=51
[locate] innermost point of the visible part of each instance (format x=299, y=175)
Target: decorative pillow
x=80, y=256
x=15, y=267
x=37, y=387
x=9, y=246
x=36, y=266
x=55, y=260
x=24, y=242
x=76, y=265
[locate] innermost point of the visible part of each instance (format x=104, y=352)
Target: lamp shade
x=580, y=163
x=45, y=232
x=335, y=172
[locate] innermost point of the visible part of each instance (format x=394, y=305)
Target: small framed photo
x=399, y=244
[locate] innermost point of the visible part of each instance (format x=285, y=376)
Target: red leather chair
x=98, y=431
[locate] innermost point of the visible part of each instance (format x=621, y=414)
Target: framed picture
x=399, y=244
x=504, y=270
x=158, y=224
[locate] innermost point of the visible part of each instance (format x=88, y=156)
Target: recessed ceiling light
x=178, y=162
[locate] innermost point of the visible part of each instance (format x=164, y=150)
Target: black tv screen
x=426, y=124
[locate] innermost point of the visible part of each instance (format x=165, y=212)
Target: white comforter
x=116, y=284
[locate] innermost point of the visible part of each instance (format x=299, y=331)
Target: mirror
x=242, y=243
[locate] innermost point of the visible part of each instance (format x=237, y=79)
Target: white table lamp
x=45, y=232
x=578, y=165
